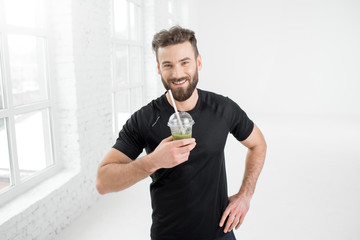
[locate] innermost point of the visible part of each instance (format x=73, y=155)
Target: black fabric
x=189, y=199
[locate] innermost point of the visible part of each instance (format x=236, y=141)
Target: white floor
x=123, y=215
x=309, y=187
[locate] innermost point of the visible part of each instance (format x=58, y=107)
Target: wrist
x=243, y=193
x=148, y=164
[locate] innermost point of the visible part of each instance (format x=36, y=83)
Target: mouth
x=179, y=83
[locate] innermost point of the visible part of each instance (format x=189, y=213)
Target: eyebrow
x=187, y=58
x=181, y=60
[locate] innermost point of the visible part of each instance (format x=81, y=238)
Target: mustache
x=179, y=79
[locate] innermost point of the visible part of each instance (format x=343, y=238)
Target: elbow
x=260, y=148
x=263, y=148
x=101, y=186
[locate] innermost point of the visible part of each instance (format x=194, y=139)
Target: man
x=188, y=190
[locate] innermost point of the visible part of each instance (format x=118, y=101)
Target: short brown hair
x=174, y=35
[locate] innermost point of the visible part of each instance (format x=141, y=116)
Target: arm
x=239, y=203
x=117, y=171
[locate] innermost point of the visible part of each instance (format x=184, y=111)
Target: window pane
x=26, y=13
x=113, y=112
x=122, y=107
x=136, y=98
x=138, y=2
x=135, y=64
x=121, y=19
x=135, y=22
x=1, y=85
x=33, y=142
x=120, y=66
x=171, y=6
x=27, y=68
x=4, y=157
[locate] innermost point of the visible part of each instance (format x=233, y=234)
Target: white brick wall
x=82, y=90
x=151, y=76
x=81, y=78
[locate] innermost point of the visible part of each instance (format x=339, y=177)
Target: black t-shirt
x=189, y=199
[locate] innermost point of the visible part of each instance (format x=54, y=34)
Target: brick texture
x=80, y=55
x=79, y=48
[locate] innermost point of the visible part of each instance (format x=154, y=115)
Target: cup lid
x=185, y=117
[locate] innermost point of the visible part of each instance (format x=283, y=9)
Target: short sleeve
x=240, y=124
x=130, y=142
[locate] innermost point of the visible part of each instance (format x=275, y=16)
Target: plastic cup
x=187, y=122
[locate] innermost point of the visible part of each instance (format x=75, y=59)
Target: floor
x=123, y=215
x=309, y=187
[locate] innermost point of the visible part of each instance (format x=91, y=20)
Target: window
x=175, y=12
x=26, y=134
x=127, y=60
x=171, y=12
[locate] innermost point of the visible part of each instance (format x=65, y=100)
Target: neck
x=186, y=105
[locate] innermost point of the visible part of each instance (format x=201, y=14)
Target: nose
x=177, y=72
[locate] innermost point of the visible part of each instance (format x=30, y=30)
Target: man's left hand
x=235, y=212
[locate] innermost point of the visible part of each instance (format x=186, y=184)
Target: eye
x=167, y=65
x=185, y=62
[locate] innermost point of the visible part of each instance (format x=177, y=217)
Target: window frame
x=128, y=43
x=17, y=185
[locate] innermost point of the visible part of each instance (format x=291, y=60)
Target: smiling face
x=178, y=68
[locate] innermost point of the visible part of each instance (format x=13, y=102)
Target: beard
x=181, y=94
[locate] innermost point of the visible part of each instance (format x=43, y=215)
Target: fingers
x=185, y=151
x=183, y=142
x=233, y=220
x=239, y=222
x=187, y=148
x=235, y=212
x=184, y=146
x=223, y=218
x=168, y=139
x=229, y=223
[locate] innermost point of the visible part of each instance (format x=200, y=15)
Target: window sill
x=36, y=194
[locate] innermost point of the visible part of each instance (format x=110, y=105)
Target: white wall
x=80, y=45
x=281, y=56
x=293, y=66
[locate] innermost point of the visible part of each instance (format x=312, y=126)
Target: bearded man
x=189, y=188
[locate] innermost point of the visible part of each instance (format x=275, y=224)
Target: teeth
x=180, y=82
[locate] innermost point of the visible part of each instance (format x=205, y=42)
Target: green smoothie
x=181, y=125
x=177, y=136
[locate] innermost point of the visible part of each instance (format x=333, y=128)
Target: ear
x=198, y=62
x=158, y=67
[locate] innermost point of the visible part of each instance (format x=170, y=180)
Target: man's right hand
x=117, y=171
x=171, y=153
